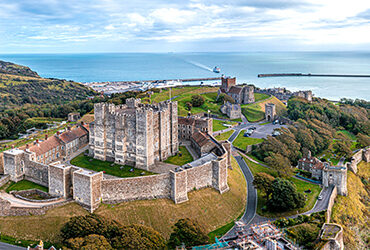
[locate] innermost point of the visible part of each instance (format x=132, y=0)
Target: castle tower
x=144, y=139
x=248, y=94
x=335, y=176
x=14, y=164
x=227, y=83
x=270, y=112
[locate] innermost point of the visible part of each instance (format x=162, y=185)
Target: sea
x=245, y=66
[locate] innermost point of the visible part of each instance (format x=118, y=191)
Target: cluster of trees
x=352, y=117
x=281, y=194
x=96, y=232
x=314, y=129
x=357, y=102
x=197, y=100
x=13, y=120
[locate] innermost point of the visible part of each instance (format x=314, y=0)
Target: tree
x=222, y=98
x=280, y=163
x=188, y=232
x=197, y=100
x=363, y=140
x=188, y=105
x=284, y=196
x=263, y=182
x=138, y=237
x=81, y=226
x=90, y=242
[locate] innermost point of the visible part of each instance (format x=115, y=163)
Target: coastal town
x=144, y=149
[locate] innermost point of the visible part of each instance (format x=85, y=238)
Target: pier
x=169, y=80
x=308, y=74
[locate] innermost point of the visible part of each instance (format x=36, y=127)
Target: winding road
x=250, y=215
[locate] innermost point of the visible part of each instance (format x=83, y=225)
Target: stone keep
x=14, y=164
x=270, y=112
x=134, y=134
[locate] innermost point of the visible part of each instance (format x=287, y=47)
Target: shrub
x=197, y=100
x=81, y=226
x=188, y=232
x=138, y=237
x=92, y=241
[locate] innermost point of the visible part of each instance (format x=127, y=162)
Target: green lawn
x=242, y=142
x=260, y=97
x=25, y=185
x=111, y=168
x=219, y=232
x=300, y=184
x=180, y=160
x=209, y=104
x=224, y=136
x=219, y=125
x=253, y=112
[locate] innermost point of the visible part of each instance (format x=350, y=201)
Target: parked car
x=320, y=197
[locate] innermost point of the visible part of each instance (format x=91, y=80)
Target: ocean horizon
x=245, y=66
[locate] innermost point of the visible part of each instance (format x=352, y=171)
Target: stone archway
x=268, y=118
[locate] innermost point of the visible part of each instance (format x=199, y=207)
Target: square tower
x=14, y=164
x=270, y=112
x=227, y=83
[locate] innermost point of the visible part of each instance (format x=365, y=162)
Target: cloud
x=69, y=23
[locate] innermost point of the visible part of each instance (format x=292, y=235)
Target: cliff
x=15, y=69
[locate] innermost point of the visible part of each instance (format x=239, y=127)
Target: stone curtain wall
x=36, y=172
x=199, y=177
x=362, y=154
x=136, y=188
x=331, y=204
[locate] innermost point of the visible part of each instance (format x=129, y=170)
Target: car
x=320, y=197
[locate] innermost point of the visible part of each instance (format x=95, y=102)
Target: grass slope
x=352, y=211
x=256, y=111
x=111, y=168
x=224, y=136
x=207, y=206
x=219, y=124
x=242, y=142
x=180, y=160
x=25, y=185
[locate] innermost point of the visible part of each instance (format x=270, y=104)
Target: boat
x=216, y=69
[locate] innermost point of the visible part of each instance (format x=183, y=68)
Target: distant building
x=203, y=144
x=270, y=112
x=187, y=126
x=312, y=165
x=283, y=94
x=241, y=94
x=74, y=117
x=233, y=111
x=304, y=94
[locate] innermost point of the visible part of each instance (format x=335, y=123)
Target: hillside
x=256, y=111
x=15, y=69
x=20, y=85
x=24, y=94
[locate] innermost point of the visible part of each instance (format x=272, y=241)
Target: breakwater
x=309, y=74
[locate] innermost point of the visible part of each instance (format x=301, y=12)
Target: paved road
x=6, y=246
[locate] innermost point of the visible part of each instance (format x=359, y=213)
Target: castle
x=240, y=94
x=283, y=94
x=134, y=134
x=233, y=111
x=270, y=112
x=187, y=126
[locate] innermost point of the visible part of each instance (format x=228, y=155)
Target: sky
x=73, y=26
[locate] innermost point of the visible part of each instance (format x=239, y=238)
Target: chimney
x=12, y=146
x=37, y=141
x=46, y=137
x=69, y=128
x=82, y=123
x=58, y=133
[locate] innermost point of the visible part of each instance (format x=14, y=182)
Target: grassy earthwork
x=242, y=142
x=111, y=168
x=224, y=136
x=181, y=158
x=219, y=124
x=211, y=209
x=256, y=111
x=300, y=185
x=24, y=185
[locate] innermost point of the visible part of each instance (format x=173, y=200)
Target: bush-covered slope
x=15, y=69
